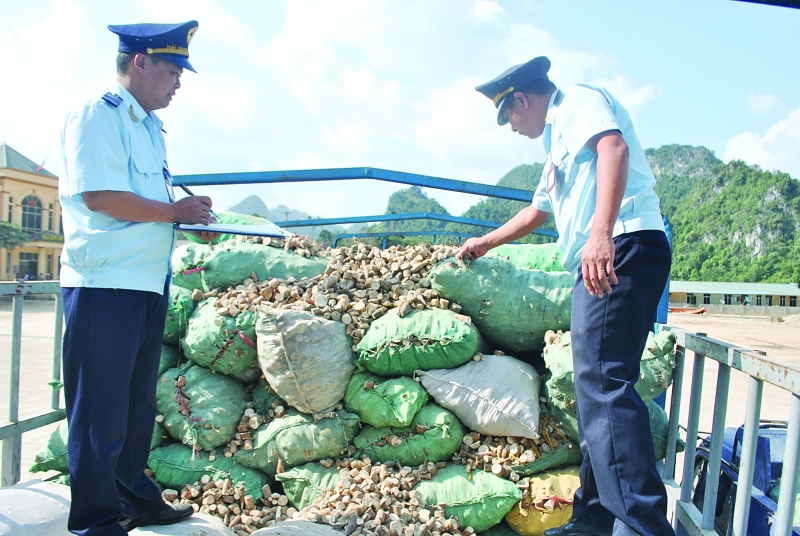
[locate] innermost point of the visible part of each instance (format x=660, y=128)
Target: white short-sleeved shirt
x=118, y=148
x=576, y=114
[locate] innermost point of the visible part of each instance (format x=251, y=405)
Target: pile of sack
x=411, y=416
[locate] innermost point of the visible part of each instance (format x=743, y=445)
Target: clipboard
x=229, y=228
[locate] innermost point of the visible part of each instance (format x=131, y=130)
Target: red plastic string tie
x=193, y=270
x=247, y=341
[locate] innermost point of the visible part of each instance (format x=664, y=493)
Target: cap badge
x=502, y=94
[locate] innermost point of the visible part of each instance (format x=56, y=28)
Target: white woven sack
x=34, y=508
x=498, y=396
x=306, y=359
x=297, y=528
x=197, y=525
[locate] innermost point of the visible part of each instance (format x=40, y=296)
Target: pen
x=188, y=191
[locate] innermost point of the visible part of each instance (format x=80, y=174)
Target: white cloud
x=46, y=66
x=759, y=103
x=775, y=150
x=486, y=9
x=632, y=98
x=568, y=65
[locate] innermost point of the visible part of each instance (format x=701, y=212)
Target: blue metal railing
x=11, y=433
x=313, y=175
x=761, y=369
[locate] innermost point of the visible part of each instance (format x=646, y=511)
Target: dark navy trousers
x=620, y=487
x=112, y=346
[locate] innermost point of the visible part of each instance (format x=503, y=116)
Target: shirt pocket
x=564, y=178
x=147, y=178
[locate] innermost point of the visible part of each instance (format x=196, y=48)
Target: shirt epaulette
x=112, y=99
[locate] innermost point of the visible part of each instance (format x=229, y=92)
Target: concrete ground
x=780, y=341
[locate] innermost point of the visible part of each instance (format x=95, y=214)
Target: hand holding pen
x=195, y=209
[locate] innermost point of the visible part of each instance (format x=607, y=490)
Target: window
x=706, y=299
x=727, y=299
x=31, y=214
x=28, y=264
x=49, y=268
x=758, y=299
x=8, y=262
x=10, y=208
x=691, y=299
x=783, y=301
x=769, y=301
x=60, y=225
x=792, y=301
x=50, y=218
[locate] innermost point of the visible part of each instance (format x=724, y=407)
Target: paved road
x=780, y=341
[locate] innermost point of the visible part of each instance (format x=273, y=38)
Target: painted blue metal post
x=715, y=451
x=741, y=510
x=12, y=446
x=691, y=429
x=789, y=476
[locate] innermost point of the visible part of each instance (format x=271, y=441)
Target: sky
x=308, y=84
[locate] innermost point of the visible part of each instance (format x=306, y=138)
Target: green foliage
x=524, y=177
x=739, y=223
x=405, y=201
x=678, y=168
x=11, y=235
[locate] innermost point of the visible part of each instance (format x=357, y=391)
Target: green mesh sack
x=422, y=340
x=177, y=465
x=203, y=413
x=382, y=402
x=512, y=307
x=169, y=358
x=53, y=457
x=775, y=493
x=656, y=367
x=264, y=397
x=296, y=439
x=544, y=257
x=501, y=529
x=564, y=455
x=659, y=428
x=434, y=435
x=303, y=484
x=160, y=437
x=232, y=262
x=179, y=309
x=220, y=342
x=187, y=265
x=479, y=499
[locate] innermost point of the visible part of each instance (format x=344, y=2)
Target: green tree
x=11, y=235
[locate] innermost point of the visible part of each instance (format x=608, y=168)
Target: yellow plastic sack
x=549, y=504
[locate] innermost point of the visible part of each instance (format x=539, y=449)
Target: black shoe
x=576, y=528
x=175, y=514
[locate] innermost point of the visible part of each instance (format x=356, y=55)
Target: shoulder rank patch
x=112, y=99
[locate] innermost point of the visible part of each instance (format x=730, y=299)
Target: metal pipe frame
x=741, y=508
x=761, y=370
x=11, y=434
x=315, y=175
x=402, y=217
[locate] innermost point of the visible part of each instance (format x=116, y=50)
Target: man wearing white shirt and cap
x=599, y=187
